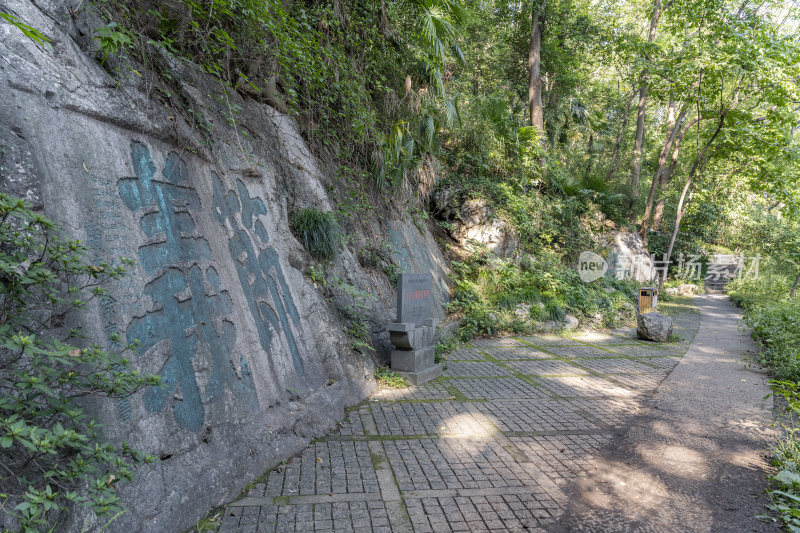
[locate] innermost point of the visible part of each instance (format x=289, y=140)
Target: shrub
x=776, y=325
x=784, y=491
x=389, y=379
x=380, y=256
x=319, y=232
x=777, y=328
x=554, y=311
x=489, y=294
x=750, y=293
x=53, y=453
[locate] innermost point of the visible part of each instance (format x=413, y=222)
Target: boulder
x=654, y=327
x=476, y=223
x=686, y=289
x=548, y=326
x=628, y=258
x=522, y=311
x=570, y=323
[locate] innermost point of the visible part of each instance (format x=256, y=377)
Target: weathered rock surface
x=654, y=326
x=570, y=323
x=255, y=360
x=475, y=222
x=628, y=257
x=686, y=289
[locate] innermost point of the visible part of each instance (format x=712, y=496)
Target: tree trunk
x=612, y=165
x=636, y=169
x=662, y=160
x=699, y=163
x=551, y=92
x=678, y=216
x=661, y=177
x=535, y=68
x=794, y=287
x=589, y=148
x=658, y=212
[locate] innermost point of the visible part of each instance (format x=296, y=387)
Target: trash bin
x=648, y=299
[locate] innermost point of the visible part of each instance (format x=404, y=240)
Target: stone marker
x=415, y=329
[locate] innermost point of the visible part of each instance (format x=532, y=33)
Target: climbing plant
x=54, y=454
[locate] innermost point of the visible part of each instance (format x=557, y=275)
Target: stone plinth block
x=412, y=360
x=405, y=336
x=423, y=376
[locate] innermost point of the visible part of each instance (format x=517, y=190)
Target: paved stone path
x=694, y=461
x=494, y=445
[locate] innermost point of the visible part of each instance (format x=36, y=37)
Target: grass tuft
x=319, y=232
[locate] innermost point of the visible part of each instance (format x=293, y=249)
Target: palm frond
x=451, y=112
x=427, y=130
x=458, y=53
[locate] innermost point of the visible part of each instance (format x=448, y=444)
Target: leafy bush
x=492, y=295
x=751, y=293
x=389, y=379
x=554, y=311
x=53, y=453
x=784, y=491
x=775, y=320
x=319, y=232
x=777, y=328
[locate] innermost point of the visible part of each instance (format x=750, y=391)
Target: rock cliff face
x=254, y=359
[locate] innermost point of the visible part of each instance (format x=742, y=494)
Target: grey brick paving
x=521, y=353
x=498, y=388
x=487, y=447
x=545, y=368
x=429, y=391
x=466, y=370
x=581, y=350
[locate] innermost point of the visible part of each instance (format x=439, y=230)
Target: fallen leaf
x=84, y=167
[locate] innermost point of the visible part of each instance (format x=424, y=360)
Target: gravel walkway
x=541, y=433
x=694, y=461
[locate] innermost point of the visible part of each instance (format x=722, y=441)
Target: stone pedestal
x=415, y=354
x=414, y=332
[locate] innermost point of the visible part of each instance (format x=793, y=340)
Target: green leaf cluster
x=54, y=454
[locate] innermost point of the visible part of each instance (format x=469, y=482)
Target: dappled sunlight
x=743, y=458
x=683, y=461
x=585, y=386
x=615, y=490
x=470, y=427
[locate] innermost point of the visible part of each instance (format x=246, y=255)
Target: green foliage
x=757, y=293
x=112, y=38
x=389, y=379
x=784, y=490
x=354, y=304
x=319, y=232
x=53, y=450
x=446, y=346
x=775, y=320
x=379, y=255
x=777, y=328
x=492, y=295
x=29, y=31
